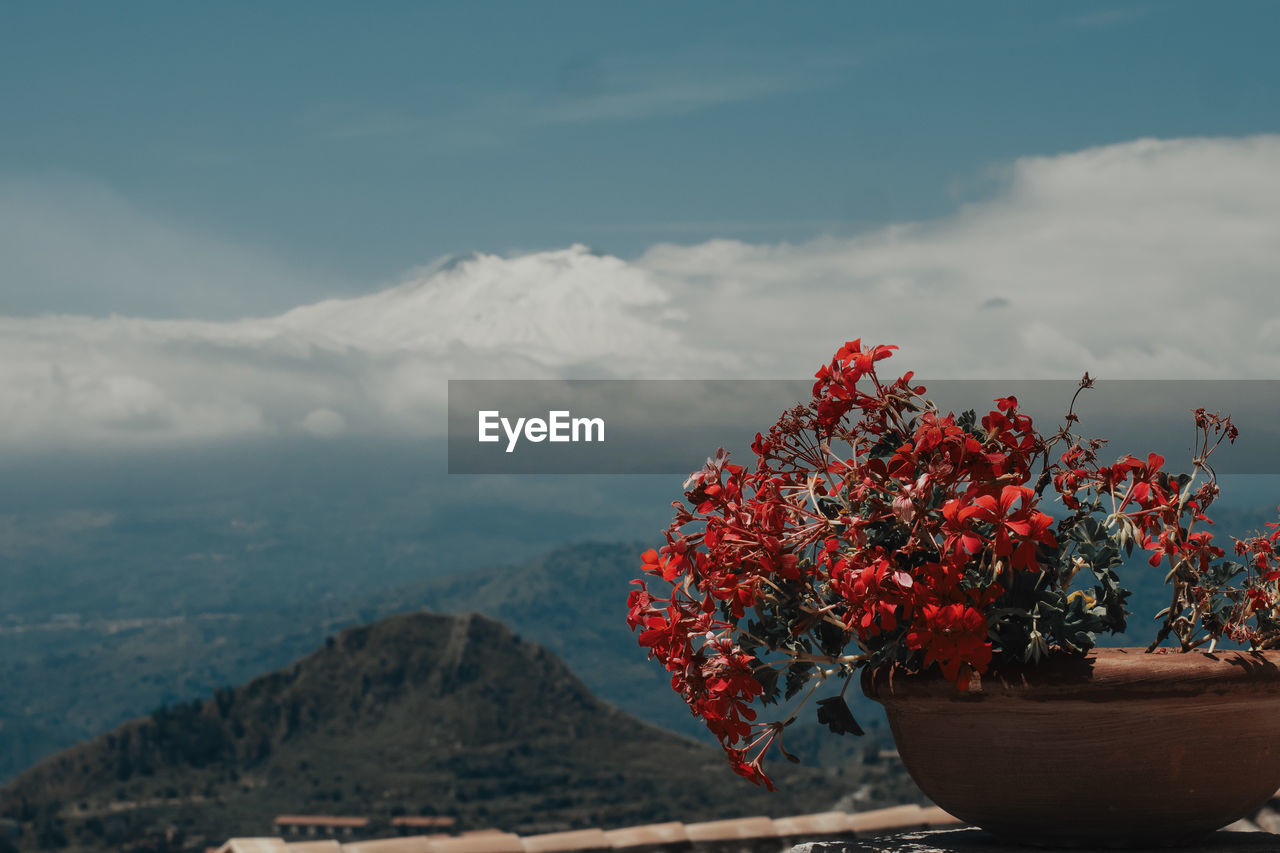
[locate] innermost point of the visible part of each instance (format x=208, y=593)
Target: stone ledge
x=970, y=840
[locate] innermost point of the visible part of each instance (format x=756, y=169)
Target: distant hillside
x=67, y=683
x=134, y=580
x=419, y=714
x=73, y=683
x=573, y=601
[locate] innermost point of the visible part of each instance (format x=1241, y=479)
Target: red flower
x=873, y=526
x=954, y=636
x=656, y=564
x=957, y=516
x=638, y=605
x=1017, y=531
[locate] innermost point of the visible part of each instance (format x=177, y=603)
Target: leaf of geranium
x=797, y=677
x=1221, y=573
x=1089, y=529
x=834, y=713
x=768, y=678
x=831, y=639
x=831, y=508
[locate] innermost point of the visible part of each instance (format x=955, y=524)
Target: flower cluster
x=874, y=530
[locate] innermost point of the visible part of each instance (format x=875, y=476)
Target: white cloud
x=633, y=96
x=71, y=244
x=1150, y=259
x=1106, y=19
x=590, y=90
x=324, y=423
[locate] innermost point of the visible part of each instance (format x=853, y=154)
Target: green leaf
x=831, y=639
x=768, y=678
x=834, y=713
x=798, y=674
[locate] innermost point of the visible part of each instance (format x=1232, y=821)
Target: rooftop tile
x=479, y=842
x=254, y=845
x=407, y=844
x=650, y=833
x=581, y=839
x=822, y=823
x=887, y=820
x=740, y=827
x=320, y=820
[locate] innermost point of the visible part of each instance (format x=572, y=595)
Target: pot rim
x=1100, y=675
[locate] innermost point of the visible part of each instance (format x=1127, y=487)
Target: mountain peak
x=419, y=713
x=558, y=307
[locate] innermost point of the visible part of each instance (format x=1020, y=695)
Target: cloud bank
x=1149, y=259
x=81, y=247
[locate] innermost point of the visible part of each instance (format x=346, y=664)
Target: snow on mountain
x=556, y=309
x=368, y=363
x=1145, y=259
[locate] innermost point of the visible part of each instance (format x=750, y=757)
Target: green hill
x=71, y=683
x=417, y=714
x=573, y=601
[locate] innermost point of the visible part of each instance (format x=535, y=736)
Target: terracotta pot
x=1115, y=749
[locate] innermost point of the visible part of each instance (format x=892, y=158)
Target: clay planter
x=1119, y=748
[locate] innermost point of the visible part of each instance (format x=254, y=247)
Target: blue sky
x=299, y=219
x=351, y=142
x=245, y=245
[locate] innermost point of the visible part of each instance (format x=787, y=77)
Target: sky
x=299, y=220
x=244, y=247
